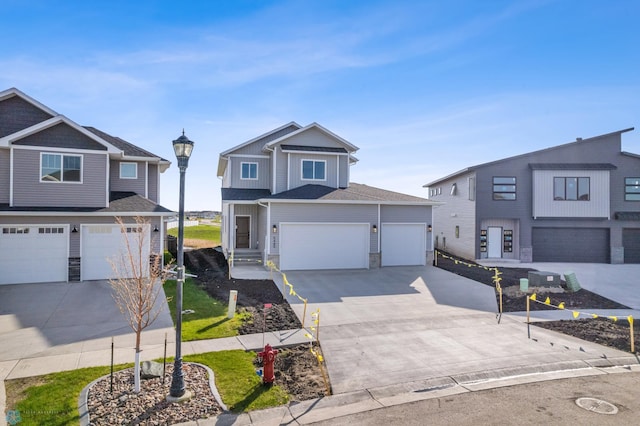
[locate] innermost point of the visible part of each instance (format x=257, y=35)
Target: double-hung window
x=632, y=189
x=313, y=170
x=504, y=188
x=60, y=168
x=571, y=189
x=249, y=171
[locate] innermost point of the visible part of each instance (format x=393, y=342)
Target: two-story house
x=62, y=186
x=287, y=195
x=576, y=202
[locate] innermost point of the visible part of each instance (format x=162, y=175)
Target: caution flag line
x=576, y=314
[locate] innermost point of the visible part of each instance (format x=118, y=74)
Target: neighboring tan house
x=577, y=202
x=287, y=195
x=61, y=188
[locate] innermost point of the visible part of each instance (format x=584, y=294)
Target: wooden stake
x=435, y=257
x=528, y=320
x=633, y=346
x=304, y=314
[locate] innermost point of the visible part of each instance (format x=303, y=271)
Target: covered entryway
x=403, y=244
x=243, y=227
x=102, y=244
x=631, y=244
x=575, y=245
x=324, y=246
x=33, y=253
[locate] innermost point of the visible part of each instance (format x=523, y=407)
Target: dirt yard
x=599, y=330
x=297, y=369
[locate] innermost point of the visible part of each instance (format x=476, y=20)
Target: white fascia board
x=83, y=214
x=227, y=152
x=6, y=94
x=57, y=149
x=362, y=202
x=350, y=146
x=222, y=165
x=43, y=125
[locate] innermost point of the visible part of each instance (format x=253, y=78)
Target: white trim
x=6, y=94
x=338, y=172
x=242, y=163
x=108, y=181
x=11, y=177
x=127, y=163
x=249, y=142
x=122, y=156
x=54, y=148
x=248, y=156
x=274, y=157
x=314, y=170
x=62, y=155
x=310, y=126
x=77, y=214
x=146, y=179
x=384, y=203
x=157, y=200
x=288, y=171
x=379, y=225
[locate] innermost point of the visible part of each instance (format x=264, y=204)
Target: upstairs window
x=504, y=188
x=60, y=168
x=128, y=171
x=249, y=171
x=571, y=189
x=632, y=189
x=313, y=170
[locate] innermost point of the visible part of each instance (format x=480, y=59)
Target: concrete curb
x=334, y=406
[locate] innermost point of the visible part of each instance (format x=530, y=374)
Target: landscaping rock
x=151, y=370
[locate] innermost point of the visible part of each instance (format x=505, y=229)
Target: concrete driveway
x=68, y=321
x=389, y=326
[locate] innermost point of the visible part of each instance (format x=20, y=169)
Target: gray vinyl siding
x=252, y=211
x=324, y=213
x=405, y=214
x=128, y=185
x=255, y=148
x=313, y=137
x=71, y=221
x=282, y=170
x=153, y=182
x=5, y=155
x=544, y=204
x=263, y=228
x=18, y=114
x=61, y=136
x=459, y=211
x=343, y=162
x=28, y=191
x=234, y=169
x=331, y=170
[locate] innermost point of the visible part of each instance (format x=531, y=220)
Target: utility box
x=544, y=279
x=572, y=282
x=524, y=285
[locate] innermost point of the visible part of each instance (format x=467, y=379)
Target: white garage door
x=403, y=244
x=33, y=253
x=104, y=244
x=324, y=246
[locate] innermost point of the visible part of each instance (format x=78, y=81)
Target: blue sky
x=423, y=88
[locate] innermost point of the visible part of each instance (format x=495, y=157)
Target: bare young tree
x=138, y=282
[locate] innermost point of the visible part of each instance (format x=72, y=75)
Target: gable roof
x=349, y=147
x=476, y=167
x=114, y=145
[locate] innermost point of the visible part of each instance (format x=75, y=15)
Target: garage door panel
x=581, y=245
x=104, y=246
x=324, y=246
x=33, y=255
x=403, y=244
x=631, y=244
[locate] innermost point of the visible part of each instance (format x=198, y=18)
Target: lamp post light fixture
x=182, y=147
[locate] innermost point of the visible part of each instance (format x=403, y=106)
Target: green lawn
x=200, y=232
x=52, y=399
x=240, y=387
x=209, y=321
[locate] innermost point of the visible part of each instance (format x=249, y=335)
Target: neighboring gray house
x=287, y=196
x=61, y=188
x=577, y=202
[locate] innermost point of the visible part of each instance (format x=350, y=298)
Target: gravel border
x=84, y=394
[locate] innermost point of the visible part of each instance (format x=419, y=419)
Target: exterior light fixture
x=75, y=229
x=155, y=229
x=429, y=229
x=274, y=229
x=374, y=228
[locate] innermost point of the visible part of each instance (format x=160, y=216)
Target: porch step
x=247, y=257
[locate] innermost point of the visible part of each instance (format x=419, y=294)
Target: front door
x=494, y=242
x=242, y=231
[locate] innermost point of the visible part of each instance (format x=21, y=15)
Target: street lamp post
x=182, y=147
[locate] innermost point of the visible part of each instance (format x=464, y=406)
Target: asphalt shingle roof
x=127, y=147
x=119, y=202
x=237, y=194
x=355, y=192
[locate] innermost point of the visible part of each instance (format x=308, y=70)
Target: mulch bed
x=603, y=331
